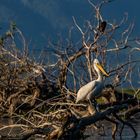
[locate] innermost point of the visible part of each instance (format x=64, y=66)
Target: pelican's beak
x=101, y=69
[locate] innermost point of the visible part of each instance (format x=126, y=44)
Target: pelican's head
x=98, y=67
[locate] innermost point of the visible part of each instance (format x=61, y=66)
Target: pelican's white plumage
x=92, y=89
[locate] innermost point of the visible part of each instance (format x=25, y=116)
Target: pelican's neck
x=100, y=78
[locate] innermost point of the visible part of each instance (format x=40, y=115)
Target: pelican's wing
x=85, y=90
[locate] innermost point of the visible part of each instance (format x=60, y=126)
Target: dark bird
x=102, y=26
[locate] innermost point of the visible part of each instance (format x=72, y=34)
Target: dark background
x=42, y=19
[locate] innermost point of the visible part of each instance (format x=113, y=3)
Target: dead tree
x=46, y=88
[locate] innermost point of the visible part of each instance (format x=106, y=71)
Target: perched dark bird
x=100, y=29
x=102, y=26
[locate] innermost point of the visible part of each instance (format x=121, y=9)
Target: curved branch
x=125, y=123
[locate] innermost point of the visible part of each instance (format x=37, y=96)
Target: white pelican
x=93, y=89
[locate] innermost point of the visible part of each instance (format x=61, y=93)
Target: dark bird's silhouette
x=102, y=26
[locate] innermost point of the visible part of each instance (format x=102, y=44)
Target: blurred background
x=41, y=20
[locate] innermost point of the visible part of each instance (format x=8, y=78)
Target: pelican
x=93, y=89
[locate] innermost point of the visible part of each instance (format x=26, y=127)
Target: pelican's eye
x=97, y=64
